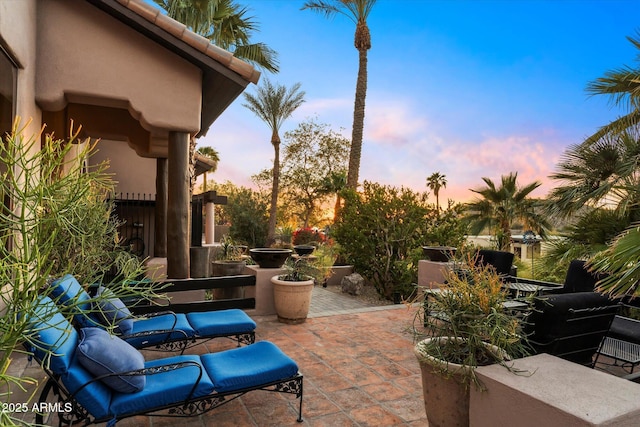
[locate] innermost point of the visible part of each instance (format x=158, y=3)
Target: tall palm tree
x=211, y=153
x=357, y=11
x=500, y=207
x=224, y=23
x=435, y=182
x=622, y=85
x=273, y=104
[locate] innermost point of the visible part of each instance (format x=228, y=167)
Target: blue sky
x=469, y=89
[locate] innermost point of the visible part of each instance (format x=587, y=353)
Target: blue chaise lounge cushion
x=101, y=353
x=250, y=366
x=221, y=322
x=52, y=338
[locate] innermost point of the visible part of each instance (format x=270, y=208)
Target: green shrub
x=380, y=232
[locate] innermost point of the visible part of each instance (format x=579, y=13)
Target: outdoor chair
x=579, y=278
x=99, y=378
x=501, y=261
x=571, y=326
x=165, y=331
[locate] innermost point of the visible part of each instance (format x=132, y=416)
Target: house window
x=8, y=71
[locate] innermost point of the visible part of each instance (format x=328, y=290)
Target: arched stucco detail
x=85, y=56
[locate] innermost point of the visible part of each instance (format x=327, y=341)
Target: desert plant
x=49, y=197
x=299, y=269
x=468, y=311
x=229, y=250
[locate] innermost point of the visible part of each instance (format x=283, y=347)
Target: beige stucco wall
x=99, y=60
x=18, y=31
x=131, y=177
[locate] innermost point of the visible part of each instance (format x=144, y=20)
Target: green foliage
x=446, y=228
x=313, y=157
x=229, y=250
x=299, y=269
x=619, y=262
x=246, y=212
x=380, y=232
x=53, y=221
x=312, y=172
x=306, y=236
x=499, y=207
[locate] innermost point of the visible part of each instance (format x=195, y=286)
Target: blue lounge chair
x=162, y=331
x=100, y=378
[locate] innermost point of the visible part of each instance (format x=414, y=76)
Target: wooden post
x=160, y=245
x=178, y=206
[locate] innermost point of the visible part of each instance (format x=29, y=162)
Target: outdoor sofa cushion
x=102, y=353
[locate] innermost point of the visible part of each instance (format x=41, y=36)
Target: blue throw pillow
x=101, y=353
x=110, y=310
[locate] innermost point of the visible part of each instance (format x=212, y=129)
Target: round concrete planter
x=227, y=268
x=292, y=299
x=445, y=388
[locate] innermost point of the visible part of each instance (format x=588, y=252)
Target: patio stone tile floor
x=358, y=367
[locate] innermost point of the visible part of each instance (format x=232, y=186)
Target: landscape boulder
x=352, y=284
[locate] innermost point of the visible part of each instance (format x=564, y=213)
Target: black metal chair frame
x=571, y=346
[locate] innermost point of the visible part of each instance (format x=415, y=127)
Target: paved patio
x=357, y=361
x=358, y=367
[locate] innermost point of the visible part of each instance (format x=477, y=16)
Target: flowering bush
x=307, y=235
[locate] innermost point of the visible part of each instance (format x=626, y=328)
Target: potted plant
x=467, y=326
x=292, y=288
x=229, y=262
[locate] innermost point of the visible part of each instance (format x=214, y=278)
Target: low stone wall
x=549, y=391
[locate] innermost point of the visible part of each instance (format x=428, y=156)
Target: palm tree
x=622, y=85
x=604, y=173
x=435, y=182
x=211, y=153
x=224, y=23
x=499, y=208
x=273, y=104
x=357, y=11
x=334, y=183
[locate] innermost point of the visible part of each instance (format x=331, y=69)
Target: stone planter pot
x=446, y=395
x=292, y=299
x=227, y=268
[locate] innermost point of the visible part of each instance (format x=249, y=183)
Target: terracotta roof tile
x=180, y=31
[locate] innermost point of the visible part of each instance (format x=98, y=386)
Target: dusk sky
x=469, y=89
